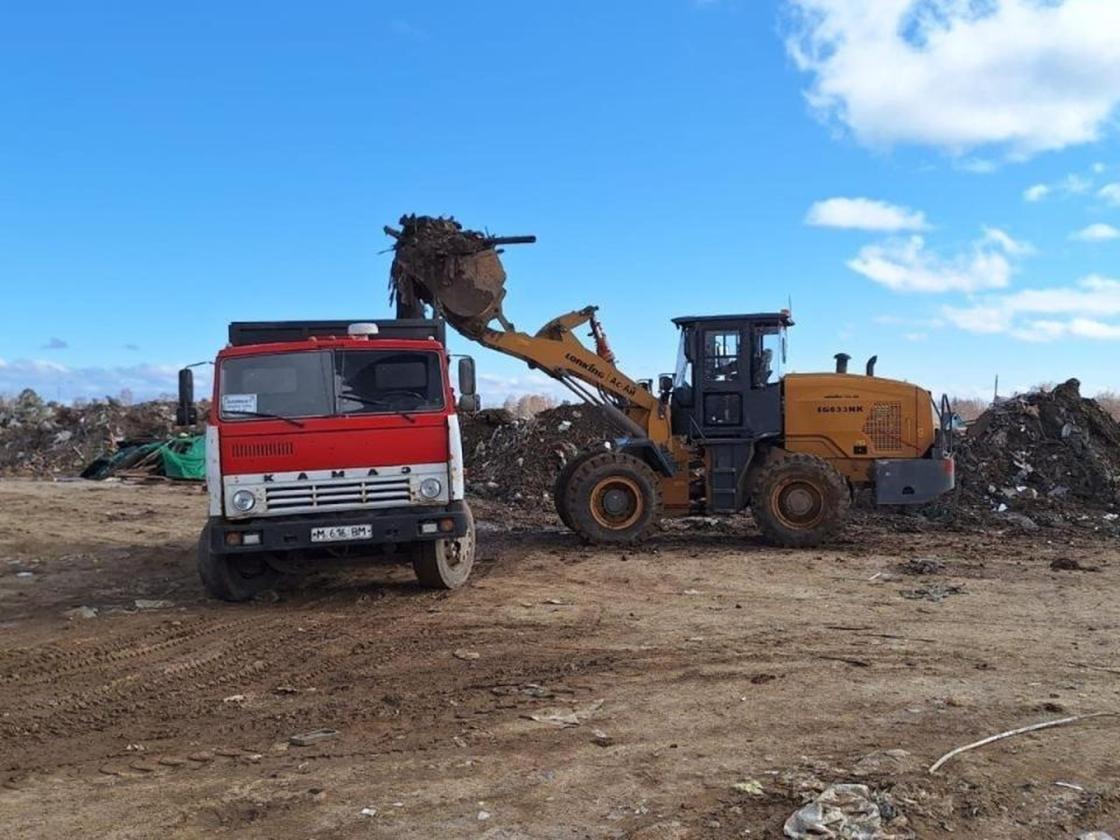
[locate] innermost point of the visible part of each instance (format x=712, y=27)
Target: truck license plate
x=341, y=533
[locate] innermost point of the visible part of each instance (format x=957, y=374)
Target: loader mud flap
x=913, y=481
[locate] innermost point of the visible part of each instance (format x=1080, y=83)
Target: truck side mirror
x=470, y=403
x=185, y=413
x=467, y=384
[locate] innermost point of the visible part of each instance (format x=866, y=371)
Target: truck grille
x=262, y=449
x=371, y=492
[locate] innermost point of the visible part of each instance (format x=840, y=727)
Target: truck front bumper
x=292, y=533
x=913, y=481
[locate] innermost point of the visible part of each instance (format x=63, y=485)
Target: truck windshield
x=321, y=383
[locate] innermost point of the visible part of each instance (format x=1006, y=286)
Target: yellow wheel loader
x=726, y=432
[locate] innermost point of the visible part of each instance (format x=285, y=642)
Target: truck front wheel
x=233, y=577
x=445, y=564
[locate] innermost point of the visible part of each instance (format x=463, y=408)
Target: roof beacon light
x=363, y=329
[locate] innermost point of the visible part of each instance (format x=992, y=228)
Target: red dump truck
x=333, y=440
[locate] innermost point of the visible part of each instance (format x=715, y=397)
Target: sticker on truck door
x=239, y=403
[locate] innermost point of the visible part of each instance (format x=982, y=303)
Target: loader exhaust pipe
x=842, y=362
x=871, y=365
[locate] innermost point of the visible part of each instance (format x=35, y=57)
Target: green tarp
x=185, y=458
x=181, y=458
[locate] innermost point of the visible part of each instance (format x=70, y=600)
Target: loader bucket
x=457, y=272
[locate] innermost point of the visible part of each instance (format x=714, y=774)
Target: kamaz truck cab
x=330, y=439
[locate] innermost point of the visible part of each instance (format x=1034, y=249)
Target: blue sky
x=934, y=181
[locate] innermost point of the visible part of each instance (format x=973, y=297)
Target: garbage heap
x=52, y=440
x=1042, y=458
x=516, y=461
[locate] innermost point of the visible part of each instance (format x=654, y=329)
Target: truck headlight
x=243, y=501
x=430, y=488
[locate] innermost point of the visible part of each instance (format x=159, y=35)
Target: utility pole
x=995, y=393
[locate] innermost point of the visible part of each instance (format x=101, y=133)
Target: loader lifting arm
x=459, y=274
x=592, y=376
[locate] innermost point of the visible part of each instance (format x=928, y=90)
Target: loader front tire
x=559, y=497
x=799, y=500
x=612, y=498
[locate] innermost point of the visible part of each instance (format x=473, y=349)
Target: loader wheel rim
x=798, y=504
x=616, y=502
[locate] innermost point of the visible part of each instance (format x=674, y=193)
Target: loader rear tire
x=799, y=500
x=559, y=497
x=612, y=498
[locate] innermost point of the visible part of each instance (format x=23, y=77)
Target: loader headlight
x=243, y=501
x=430, y=488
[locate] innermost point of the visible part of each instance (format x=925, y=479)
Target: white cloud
x=1023, y=75
x=1110, y=193
x=864, y=214
x=1096, y=233
x=495, y=389
x=1004, y=240
x=1084, y=306
x=907, y=265
x=1072, y=184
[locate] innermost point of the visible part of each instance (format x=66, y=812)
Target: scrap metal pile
x=517, y=460
x=1047, y=458
x=51, y=440
x=1043, y=459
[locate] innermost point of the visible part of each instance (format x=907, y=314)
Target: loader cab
x=728, y=378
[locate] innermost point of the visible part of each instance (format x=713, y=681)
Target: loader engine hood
x=850, y=416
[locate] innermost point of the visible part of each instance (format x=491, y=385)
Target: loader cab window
x=721, y=355
x=769, y=355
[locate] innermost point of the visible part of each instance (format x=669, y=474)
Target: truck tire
x=799, y=500
x=445, y=564
x=233, y=577
x=559, y=498
x=613, y=498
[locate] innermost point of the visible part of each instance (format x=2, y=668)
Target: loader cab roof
x=760, y=319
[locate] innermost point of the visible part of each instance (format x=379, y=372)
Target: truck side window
x=721, y=355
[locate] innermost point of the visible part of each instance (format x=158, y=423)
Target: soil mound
x=1053, y=456
x=48, y=439
x=517, y=460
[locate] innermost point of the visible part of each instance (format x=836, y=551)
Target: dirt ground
x=670, y=673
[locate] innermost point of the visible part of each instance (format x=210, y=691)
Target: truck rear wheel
x=799, y=500
x=445, y=564
x=612, y=498
x=233, y=577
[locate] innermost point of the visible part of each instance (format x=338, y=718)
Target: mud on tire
x=799, y=500
x=559, y=498
x=233, y=577
x=612, y=498
x=445, y=564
